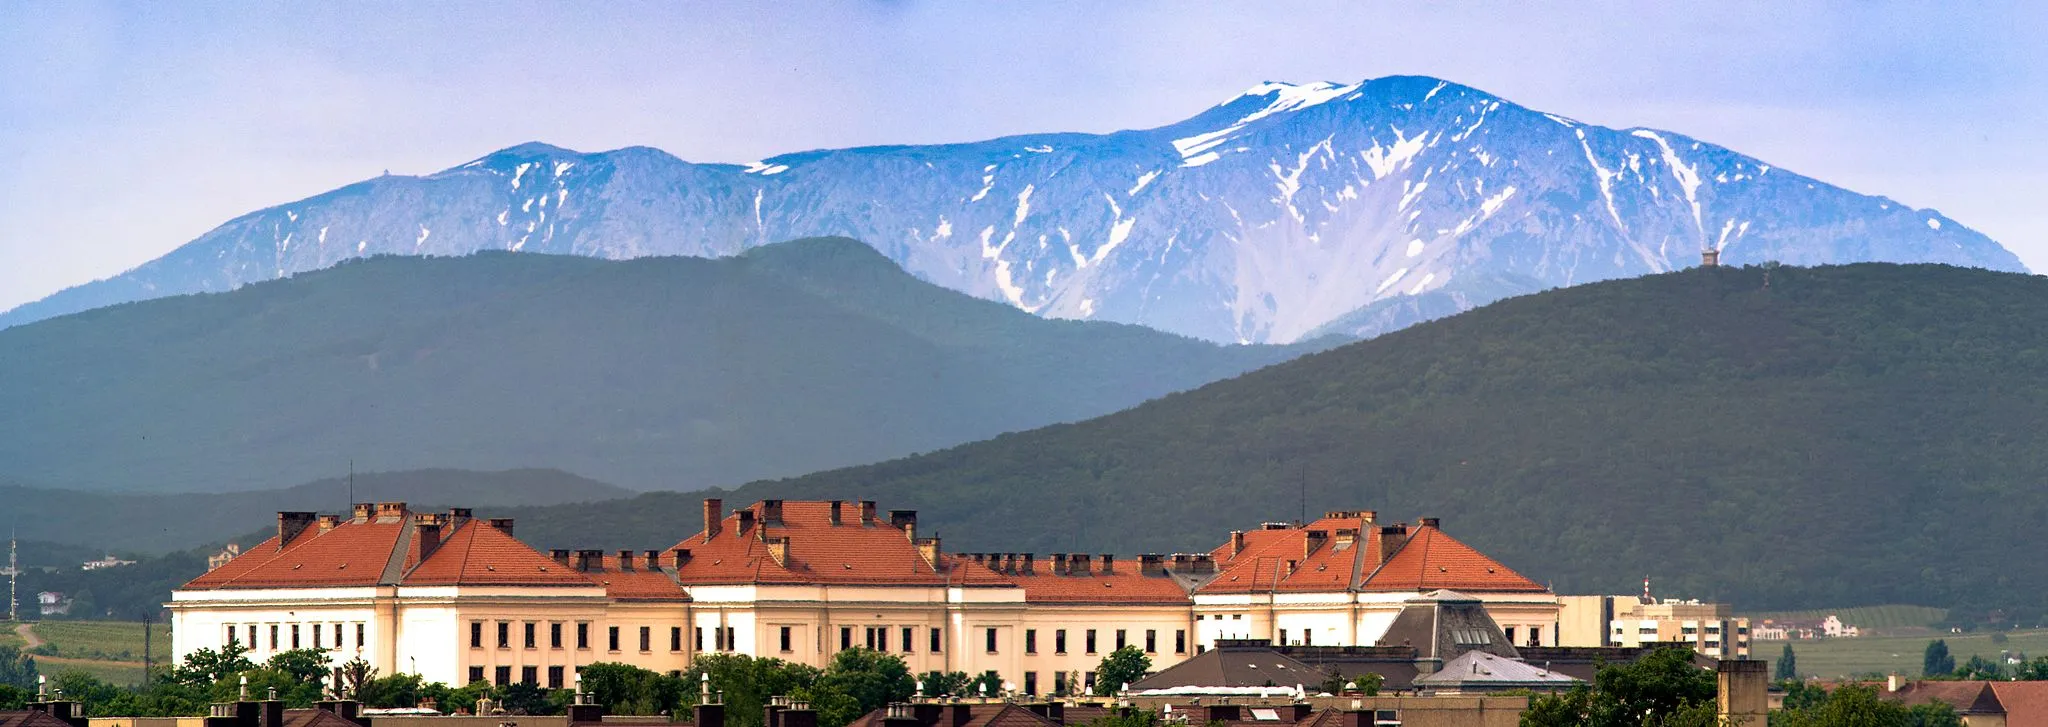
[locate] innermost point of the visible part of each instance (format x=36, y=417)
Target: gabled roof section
x=857, y=550
x=1432, y=560
x=1481, y=670
x=479, y=554
x=1128, y=583
x=1967, y=697
x=1330, y=554
x=642, y=582
x=348, y=554
x=1230, y=665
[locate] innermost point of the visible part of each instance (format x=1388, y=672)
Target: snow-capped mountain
x=1287, y=211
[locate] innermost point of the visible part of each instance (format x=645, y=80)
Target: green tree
x=2032, y=670
x=1662, y=688
x=1369, y=683
x=397, y=690
x=1120, y=667
x=1788, y=664
x=524, y=698
x=354, y=675
x=1937, y=661
x=206, y=667
x=942, y=684
x=14, y=698
x=1980, y=668
x=1860, y=706
x=746, y=682
x=872, y=679
x=986, y=683
x=306, y=665
x=627, y=689
x=17, y=669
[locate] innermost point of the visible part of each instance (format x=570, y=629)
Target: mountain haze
x=1778, y=437
x=1282, y=213
x=649, y=373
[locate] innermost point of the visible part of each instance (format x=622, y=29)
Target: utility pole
x=147, y=621
x=13, y=572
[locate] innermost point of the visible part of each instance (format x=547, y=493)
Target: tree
x=870, y=678
x=524, y=698
x=1369, y=683
x=1662, y=688
x=746, y=682
x=1859, y=706
x=354, y=674
x=306, y=665
x=17, y=669
x=1120, y=667
x=206, y=667
x=988, y=682
x=1937, y=661
x=1788, y=665
x=943, y=684
x=14, y=698
x=1980, y=668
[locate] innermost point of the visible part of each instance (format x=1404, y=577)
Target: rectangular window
x=532, y=635
x=732, y=640
x=613, y=643
x=1151, y=641
x=529, y=675
x=935, y=642
x=1535, y=636
x=882, y=638
x=1059, y=684
x=646, y=639
x=337, y=636
x=554, y=677
x=1089, y=640
x=675, y=638
x=871, y=636
x=504, y=634
x=1059, y=641
x=784, y=639
x=555, y=635
x=1386, y=718
x=317, y=641
x=1120, y=638
x=476, y=634
x=1088, y=681
x=909, y=638
x=1031, y=641
x=359, y=636
x=1308, y=637
x=1180, y=641
x=845, y=638
x=295, y=636
x=583, y=635
x=504, y=675
x=1031, y=683
x=231, y=634
x=990, y=637
x=476, y=674
x=1509, y=631
x=1283, y=637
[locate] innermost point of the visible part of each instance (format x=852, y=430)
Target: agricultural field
x=1868, y=618
x=1834, y=658
x=110, y=650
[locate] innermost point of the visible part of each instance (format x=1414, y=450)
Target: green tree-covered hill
x=1779, y=437
x=648, y=373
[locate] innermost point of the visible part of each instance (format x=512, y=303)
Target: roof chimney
x=1108, y=564
x=837, y=506
x=625, y=560
x=1430, y=522
x=1077, y=564
x=589, y=560
x=1392, y=537
x=867, y=512
x=503, y=524
x=1059, y=564
x=1027, y=568
x=456, y=515
x=363, y=511
x=1183, y=563
x=746, y=522
x=1346, y=537
x=682, y=557
x=714, y=517
x=904, y=520
x=290, y=524
x=1204, y=563
x=329, y=522
x=426, y=531
x=391, y=511
x=653, y=559
x=1314, y=540
x=1236, y=542
x=771, y=511
x=561, y=555
x=1151, y=564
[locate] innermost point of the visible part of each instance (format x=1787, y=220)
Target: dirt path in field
x=28, y=636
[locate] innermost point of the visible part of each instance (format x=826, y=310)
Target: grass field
x=109, y=650
x=1829, y=658
x=1865, y=617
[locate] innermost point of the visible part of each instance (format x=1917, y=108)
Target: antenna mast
x=13, y=570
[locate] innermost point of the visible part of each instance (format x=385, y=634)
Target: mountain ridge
x=1265, y=218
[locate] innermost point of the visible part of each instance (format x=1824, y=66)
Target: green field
x=1829, y=658
x=104, y=640
x=1865, y=617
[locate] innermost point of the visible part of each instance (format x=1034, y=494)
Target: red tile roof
x=2026, y=703
x=850, y=553
x=639, y=583
x=350, y=554
x=1427, y=560
x=1431, y=560
x=477, y=554
x=386, y=550
x=1124, y=586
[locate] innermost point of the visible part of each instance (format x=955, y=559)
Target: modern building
x=457, y=599
x=1711, y=629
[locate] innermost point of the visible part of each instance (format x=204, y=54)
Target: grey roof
x=1248, y=665
x=1446, y=624
x=1481, y=670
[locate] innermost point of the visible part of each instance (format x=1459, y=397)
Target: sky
x=128, y=129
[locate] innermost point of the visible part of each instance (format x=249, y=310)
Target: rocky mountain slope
x=1287, y=211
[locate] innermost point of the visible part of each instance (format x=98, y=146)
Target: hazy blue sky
x=129, y=129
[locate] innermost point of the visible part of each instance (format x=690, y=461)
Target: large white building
x=457, y=599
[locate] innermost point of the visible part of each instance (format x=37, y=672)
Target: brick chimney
x=561, y=555
x=1183, y=563
x=362, y=511
x=426, y=533
x=458, y=515
x=290, y=524
x=1744, y=693
x=1151, y=564
x=714, y=517
x=1314, y=540
x=1204, y=563
x=625, y=560
x=1077, y=564
x=778, y=548
x=1430, y=522
x=867, y=512
x=1059, y=564
x=1028, y=568
x=1392, y=537
x=771, y=512
x=503, y=524
x=589, y=560
x=1236, y=542
x=1108, y=564
x=928, y=548
x=746, y=522
x=682, y=557
x=904, y=520
x=653, y=559
x=837, y=507
x=1347, y=537
x=329, y=522
x=395, y=511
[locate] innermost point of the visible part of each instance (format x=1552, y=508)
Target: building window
x=882, y=638
x=476, y=674
x=1386, y=718
x=1308, y=637
x=909, y=637
x=1510, y=631
x=1031, y=641
x=476, y=634
x=989, y=635
x=1031, y=683
x=675, y=638
x=1088, y=681
x=1535, y=636
x=295, y=636
x=555, y=635
x=1283, y=637
x=1088, y=640
x=532, y=635
x=784, y=639
x=845, y=638
x=935, y=642
x=1059, y=684
x=732, y=640
x=646, y=639
x=529, y=675
x=554, y=677
x=504, y=634
x=337, y=636
x=317, y=641
x=1151, y=641
x=697, y=641
x=231, y=634
x=613, y=643
x=1059, y=642
x=583, y=635
x=871, y=636
x=1120, y=638
x=359, y=636
x=504, y=674
x=1180, y=641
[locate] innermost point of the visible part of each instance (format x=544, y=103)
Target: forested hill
x=1778, y=437
x=648, y=373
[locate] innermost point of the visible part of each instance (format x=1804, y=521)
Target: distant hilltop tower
x=1710, y=258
